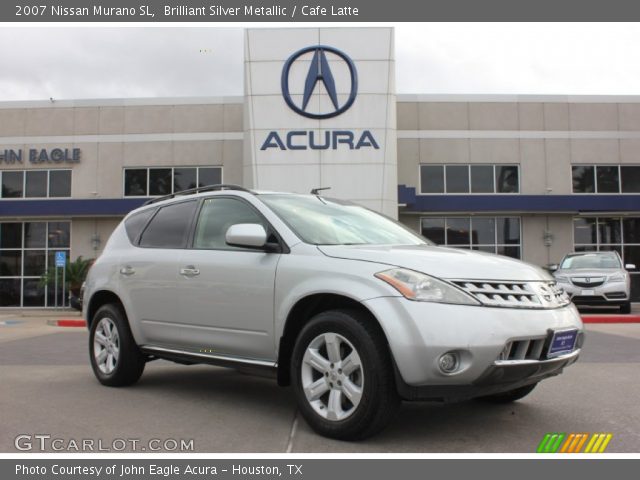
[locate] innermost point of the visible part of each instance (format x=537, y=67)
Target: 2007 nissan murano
x=350, y=308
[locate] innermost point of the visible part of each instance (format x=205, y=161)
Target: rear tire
x=342, y=376
x=625, y=308
x=115, y=358
x=509, y=396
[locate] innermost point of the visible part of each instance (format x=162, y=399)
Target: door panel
x=227, y=308
x=148, y=278
x=226, y=293
x=149, y=273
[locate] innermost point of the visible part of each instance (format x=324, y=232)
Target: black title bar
x=317, y=10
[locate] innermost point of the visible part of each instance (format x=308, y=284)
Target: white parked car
x=596, y=279
x=350, y=308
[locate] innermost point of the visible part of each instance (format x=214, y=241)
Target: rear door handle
x=189, y=271
x=127, y=270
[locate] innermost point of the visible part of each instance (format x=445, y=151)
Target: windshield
x=591, y=260
x=325, y=221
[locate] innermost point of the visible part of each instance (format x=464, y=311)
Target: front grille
x=545, y=294
x=587, y=282
x=527, y=349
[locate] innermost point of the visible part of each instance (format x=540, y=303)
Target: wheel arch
x=302, y=312
x=100, y=298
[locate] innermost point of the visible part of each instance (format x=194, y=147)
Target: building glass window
x=209, y=176
x=59, y=183
x=35, y=183
x=630, y=178
x=499, y=235
x=432, y=178
x=507, y=179
x=605, y=178
x=135, y=182
x=457, y=178
x=621, y=234
x=184, y=179
x=12, y=184
x=433, y=229
x=464, y=179
x=157, y=181
x=583, y=179
x=482, y=179
x=27, y=251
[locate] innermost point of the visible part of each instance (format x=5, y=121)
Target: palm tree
x=74, y=275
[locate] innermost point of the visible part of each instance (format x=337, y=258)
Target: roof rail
x=191, y=191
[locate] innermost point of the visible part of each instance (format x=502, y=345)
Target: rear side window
x=170, y=227
x=136, y=222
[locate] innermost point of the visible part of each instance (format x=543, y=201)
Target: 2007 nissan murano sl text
x=350, y=308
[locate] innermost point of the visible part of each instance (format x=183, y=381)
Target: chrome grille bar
x=543, y=294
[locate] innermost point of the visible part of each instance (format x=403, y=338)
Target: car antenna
x=316, y=191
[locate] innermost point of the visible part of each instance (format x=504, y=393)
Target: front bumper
x=499, y=377
x=610, y=293
x=420, y=332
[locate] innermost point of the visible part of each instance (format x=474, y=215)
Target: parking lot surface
x=48, y=388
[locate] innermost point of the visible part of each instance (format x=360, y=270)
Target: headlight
x=561, y=279
x=423, y=288
x=618, y=277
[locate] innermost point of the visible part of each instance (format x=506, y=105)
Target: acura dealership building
x=531, y=177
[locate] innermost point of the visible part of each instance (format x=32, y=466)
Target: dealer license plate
x=588, y=293
x=563, y=341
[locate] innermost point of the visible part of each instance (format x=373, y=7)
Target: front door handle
x=189, y=271
x=127, y=270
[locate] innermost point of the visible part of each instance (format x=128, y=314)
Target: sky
x=431, y=58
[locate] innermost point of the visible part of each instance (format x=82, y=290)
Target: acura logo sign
x=326, y=71
x=319, y=73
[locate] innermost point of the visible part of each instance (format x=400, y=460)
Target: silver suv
x=595, y=278
x=350, y=308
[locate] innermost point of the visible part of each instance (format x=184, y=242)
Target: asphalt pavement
x=47, y=388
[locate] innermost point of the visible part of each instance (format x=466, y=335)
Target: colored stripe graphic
x=555, y=442
x=550, y=443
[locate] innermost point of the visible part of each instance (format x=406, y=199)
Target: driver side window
x=216, y=216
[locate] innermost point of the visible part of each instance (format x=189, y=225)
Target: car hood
x=441, y=262
x=587, y=272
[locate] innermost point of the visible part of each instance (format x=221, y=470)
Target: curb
x=611, y=319
x=67, y=323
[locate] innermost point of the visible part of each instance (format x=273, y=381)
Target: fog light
x=448, y=362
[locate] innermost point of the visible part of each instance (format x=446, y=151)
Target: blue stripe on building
x=69, y=207
x=516, y=203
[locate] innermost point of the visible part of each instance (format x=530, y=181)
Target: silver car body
x=235, y=311
x=603, y=282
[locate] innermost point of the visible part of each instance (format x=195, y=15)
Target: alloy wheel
x=106, y=345
x=332, y=376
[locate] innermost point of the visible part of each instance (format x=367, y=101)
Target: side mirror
x=630, y=266
x=250, y=235
x=553, y=267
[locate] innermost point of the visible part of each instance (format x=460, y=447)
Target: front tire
x=510, y=396
x=625, y=308
x=342, y=376
x=115, y=358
